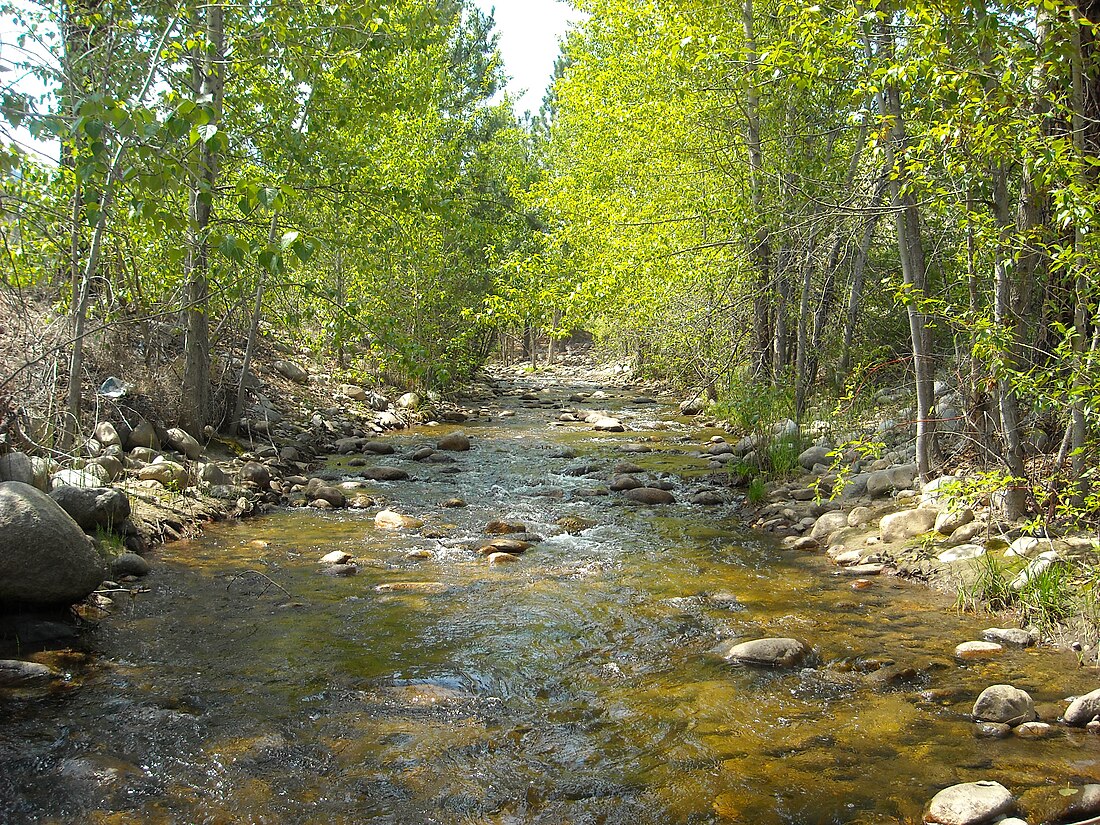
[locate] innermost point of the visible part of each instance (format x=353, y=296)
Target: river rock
x=961, y=553
x=1005, y=704
x=88, y=477
x=516, y=547
x=879, y=484
x=707, y=498
x=502, y=558
x=811, y=457
x=907, y=524
x=409, y=401
x=343, y=446
x=949, y=521
x=1010, y=636
x=16, y=673
x=607, y=424
x=1025, y=546
x=112, y=465
x=693, y=406
x=771, y=652
x=255, y=473
x=354, y=392
x=1034, y=568
x=211, y=473
x=827, y=524
x=621, y=483
x=45, y=558
x=167, y=473
x=384, y=473
x=1083, y=709
x=318, y=490
x=411, y=587
x=129, y=564
x=650, y=495
x=142, y=434
x=454, y=442
x=971, y=803
x=16, y=467
x=339, y=570
x=392, y=520
x=860, y=516
x=291, y=371
x=336, y=557
x=106, y=434
x=95, y=507
x=969, y=651
x=964, y=534
x=182, y=442
x=1034, y=730
x=378, y=448
x=939, y=491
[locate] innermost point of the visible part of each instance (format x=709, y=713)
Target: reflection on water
x=580, y=685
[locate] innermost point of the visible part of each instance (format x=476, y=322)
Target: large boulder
x=773, y=652
x=971, y=803
x=16, y=467
x=813, y=456
x=827, y=524
x=1004, y=704
x=45, y=558
x=907, y=523
x=291, y=371
x=93, y=508
x=454, y=442
x=180, y=441
x=143, y=434
x=1083, y=709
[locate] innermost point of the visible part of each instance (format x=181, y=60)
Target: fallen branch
x=270, y=582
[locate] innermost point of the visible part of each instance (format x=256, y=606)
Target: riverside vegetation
x=856, y=241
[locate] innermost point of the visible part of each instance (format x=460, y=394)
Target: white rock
x=336, y=557
x=962, y=552
x=969, y=651
x=970, y=803
x=1026, y=546
x=1034, y=569
x=906, y=524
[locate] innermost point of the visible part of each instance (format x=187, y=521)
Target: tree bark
x=208, y=68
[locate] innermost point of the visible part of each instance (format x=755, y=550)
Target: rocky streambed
x=552, y=611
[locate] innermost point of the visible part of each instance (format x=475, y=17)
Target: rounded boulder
x=45, y=558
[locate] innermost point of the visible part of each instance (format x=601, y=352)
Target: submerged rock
x=454, y=442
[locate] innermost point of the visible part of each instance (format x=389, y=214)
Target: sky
x=529, y=34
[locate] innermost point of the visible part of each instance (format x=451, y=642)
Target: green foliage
x=757, y=492
x=987, y=587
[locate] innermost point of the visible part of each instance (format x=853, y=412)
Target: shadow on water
x=580, y=685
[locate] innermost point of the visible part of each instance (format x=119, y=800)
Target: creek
x=580, y=685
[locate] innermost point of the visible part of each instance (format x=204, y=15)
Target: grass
x=1046, y=601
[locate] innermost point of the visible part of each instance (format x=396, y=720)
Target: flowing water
x=581, y=685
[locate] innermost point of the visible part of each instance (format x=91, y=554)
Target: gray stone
x=129, y=564
x=180, y=441
x=964, y=534
x=906, y=524
x=1083, y=709
x=813, y=456
x=860, y=517
x=16, y=467
x=355, y=393
x=106, y=434
x=291, y=372
x=211, y=473
x=1005, y=704
x=345, y=446
x=1025, y=546
x=166, y=473
x=385, y=474
x=409, y=401
x=90, y=476
x=693, y=406
x=707, y=498
x=94, y=508
x=829, y=523
x=621, y=483
x=319, y=490
x=971, y=803
x=949, y=521
x=772, y=652
x=879, y=484
x=650, y=495
x=454, y=442
x=606, y=424
x=962, y=552
x=938, y=491
x=45, y=558
x=16, y=673
x=112, y=465
x=1034, y=568
x=255, y=473
x=1011, y=636
x=142, y=434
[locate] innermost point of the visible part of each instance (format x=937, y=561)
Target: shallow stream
x=580, y=685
